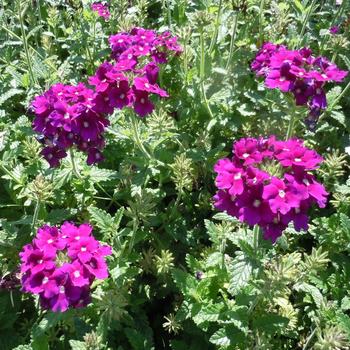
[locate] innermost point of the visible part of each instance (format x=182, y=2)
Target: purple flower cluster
x=268, y=182
x=61, y=264
x=137, y=55
x=68, y=116
x=101, y=9
x=298, y=72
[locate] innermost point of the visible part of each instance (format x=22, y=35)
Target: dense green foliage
x=182, y=276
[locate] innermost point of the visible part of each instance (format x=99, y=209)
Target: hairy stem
x=202, y=73
x=25, y=45
x=74, y=166
x=216, y=29
x=35, y=215
x=261, y=20
x=306, y=19
x=135, y=129
x=233, y=38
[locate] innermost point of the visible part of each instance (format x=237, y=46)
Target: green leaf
x=270, y=322
x=185, y=282
x=241, y=270
x=101, y=218
x=227, y=336
x=312, y=290
x=49, y=321
x=77, y=345
x=99, y=175
x=208, y=313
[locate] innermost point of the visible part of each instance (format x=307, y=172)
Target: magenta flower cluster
x=298, y=72
x=61, y=264
x=69, y=115
x=101, y=9
x=137, y=54
x=268, y=182
x=76, y=116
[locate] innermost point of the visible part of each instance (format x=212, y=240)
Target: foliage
x=181, y=275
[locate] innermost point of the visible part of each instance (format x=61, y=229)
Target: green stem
x=261, y=19
x=202, y=73
x=329, y=110
x=233, y=38
x=35, y=215
x=256, y=234
x=169, y=13
x=135, y=226
x=25, y=45
x=337, y=15
x=39, y=10
x=137, y=140
x=74, y=166
x=290, y=127
x=306, y=19
x=216, y=29
x=222, y=251
x=309, y=339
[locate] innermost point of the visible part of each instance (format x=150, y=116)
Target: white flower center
x=256, y=203
x=306, y=182
x=147, y=85
x=45, y=280
x=297, y=210
x=66, y=116
x=76, y=274
x=121, y=96
x=282, y=78
x=70, y=135
x=129, y=56
x=83, y=249
x=40, y=261
x=141, y=48
x=50, y=156
x=106, y=99
x=97, y=155
x=142, y=100
x=77, y=238
x=324, y=76
x=86, y=124
x=318, y=91
x=120, y=40
x=281, y=193
x=298, y=91
x=300, y=74
x=245, y=155
x=297, y=160
x=62, y=289
x=49, y=241
x=237, y=176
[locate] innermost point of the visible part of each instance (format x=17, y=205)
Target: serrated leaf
x=101, y=218
x=185, y=282
x=49, y=321
x=227, y=336
x=8, y=94
x=77, y=345
x=339, y=117
x=241, y=270
x=270, y=322
x=99, y=175
x=312, y=290
x=208, y=313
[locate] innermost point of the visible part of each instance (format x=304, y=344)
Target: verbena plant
x=182, y=275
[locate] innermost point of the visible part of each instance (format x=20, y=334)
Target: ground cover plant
x=174, y=174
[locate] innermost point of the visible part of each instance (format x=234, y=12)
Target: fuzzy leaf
x=240, y=269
